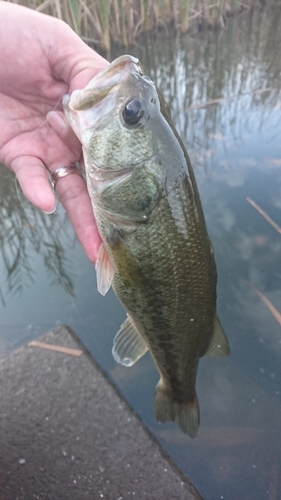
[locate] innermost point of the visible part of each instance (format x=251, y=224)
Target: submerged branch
x=57, y=348
x=264, y=214
x=212, y=102
x=269, y=305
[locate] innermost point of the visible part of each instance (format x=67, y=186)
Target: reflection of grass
x=101, y=21
x=20, y=232
x=215, y=69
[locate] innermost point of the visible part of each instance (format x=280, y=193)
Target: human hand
x=42, y=59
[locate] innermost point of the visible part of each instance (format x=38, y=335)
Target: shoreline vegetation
x=103, y=22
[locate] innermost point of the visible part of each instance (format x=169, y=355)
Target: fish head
x=112, y=117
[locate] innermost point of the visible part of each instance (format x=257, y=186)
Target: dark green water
x=235, y=148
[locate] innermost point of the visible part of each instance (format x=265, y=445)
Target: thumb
x=71, y=60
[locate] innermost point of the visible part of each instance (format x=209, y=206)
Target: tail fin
x=186, y=415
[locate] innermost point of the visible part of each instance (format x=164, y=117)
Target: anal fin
x=128, y=345
x=219, y=345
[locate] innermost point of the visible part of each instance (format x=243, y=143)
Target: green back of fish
x=154, y=232
x=164, y=267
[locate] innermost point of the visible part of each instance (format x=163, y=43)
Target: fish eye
x=133, y=112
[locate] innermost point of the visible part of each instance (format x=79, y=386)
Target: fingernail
x=52, y=211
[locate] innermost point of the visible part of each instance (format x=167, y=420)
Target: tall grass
x=122, y=21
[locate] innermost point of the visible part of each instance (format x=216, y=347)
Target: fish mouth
x=104, y=83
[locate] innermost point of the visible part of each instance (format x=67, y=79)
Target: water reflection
x=235, y=148
x=24, y=230
x=238, y=62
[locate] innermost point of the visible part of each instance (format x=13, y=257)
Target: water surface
x=235, y=147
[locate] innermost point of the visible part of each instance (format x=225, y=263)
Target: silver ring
x=61, y=172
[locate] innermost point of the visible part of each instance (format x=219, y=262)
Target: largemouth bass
x=156, y=252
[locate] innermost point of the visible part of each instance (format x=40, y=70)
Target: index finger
x=73, y=194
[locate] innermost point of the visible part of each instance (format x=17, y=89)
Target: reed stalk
x=74, y=14
x=185, y=8
x=124, y=37
x=104, y=8
x=122, y=21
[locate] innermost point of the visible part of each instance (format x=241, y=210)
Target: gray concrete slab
x=66, y=434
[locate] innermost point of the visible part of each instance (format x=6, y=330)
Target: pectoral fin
x=219, y=345
x=104, y=270
x=128, y=345
x=131, y=197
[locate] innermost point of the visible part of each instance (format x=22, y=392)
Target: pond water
x=235, y=147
